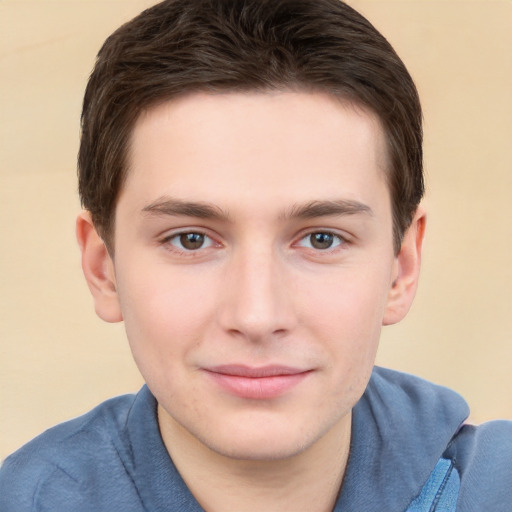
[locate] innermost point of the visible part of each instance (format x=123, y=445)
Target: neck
x=309, y=480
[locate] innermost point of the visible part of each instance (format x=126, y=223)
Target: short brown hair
x=182, y=46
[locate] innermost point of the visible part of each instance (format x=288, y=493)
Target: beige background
x=57, y=359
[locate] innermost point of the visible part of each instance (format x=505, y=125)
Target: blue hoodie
x=409, y=452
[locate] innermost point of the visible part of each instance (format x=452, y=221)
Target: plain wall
x=57, y=360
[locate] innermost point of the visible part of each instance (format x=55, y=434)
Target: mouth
x=257, y=383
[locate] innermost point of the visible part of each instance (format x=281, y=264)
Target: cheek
x=352, y=301
x=164, y=313
x=348, y=314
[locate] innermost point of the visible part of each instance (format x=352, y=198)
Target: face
x=254, y=265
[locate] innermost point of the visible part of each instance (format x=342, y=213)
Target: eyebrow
x=331, y=208
x=179, y=207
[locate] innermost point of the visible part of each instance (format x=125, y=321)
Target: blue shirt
x=113, y=458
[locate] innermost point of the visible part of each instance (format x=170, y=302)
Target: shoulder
x=430, y=404
x=65, y=456
x=421, y=423
x=401, y=422
x=483, y=457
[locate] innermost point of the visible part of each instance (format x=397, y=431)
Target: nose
x=257, y=303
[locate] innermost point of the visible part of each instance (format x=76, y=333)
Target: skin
x=274, y=178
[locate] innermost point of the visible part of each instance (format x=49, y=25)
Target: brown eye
x=188, y=241
x=191, y=241
x=321, y=240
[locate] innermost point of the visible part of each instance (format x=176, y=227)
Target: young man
x=251, y=173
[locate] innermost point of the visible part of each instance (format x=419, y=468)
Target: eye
x=321, y=240
x=191, y=241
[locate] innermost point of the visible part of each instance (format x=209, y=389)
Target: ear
x=98, y=269
x=407, y=270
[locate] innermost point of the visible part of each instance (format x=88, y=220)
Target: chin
x=274, y=440
x=268, y=449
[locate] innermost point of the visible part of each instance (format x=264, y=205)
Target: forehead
x=280, y=146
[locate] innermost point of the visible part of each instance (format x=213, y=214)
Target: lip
x=257, y=383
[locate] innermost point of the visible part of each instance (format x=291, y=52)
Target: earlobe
x=408, y=262
x=98, y=269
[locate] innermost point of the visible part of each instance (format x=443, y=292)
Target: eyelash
x=167, y=241
x=337, y=239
